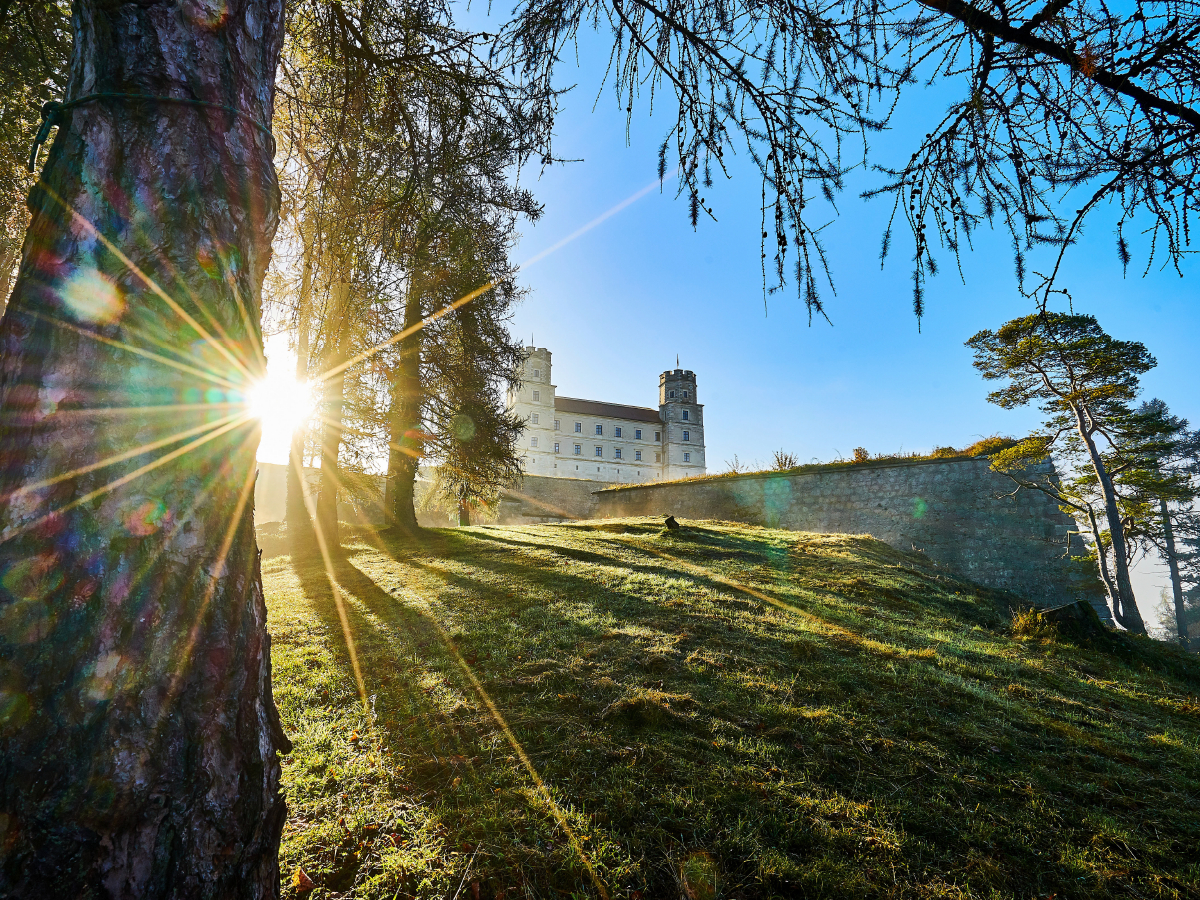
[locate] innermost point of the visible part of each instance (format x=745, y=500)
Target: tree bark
x=1128, y=615
x=405, y=446
x=1176, y=581
x=333, y=399
x=138, y=733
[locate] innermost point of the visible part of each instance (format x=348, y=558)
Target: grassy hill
x=608, y=709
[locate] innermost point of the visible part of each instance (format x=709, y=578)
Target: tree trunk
x=464, y=513
x=1127, y=615
x=405, y=446
x=296, y=514
x=138, y=734
x=333, y=399
x=1176, y=581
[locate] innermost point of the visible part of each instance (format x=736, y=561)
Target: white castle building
x=566, y=437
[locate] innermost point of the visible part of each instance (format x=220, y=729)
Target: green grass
x=730, y=711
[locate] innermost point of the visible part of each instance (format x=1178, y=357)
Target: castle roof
x=610, y=410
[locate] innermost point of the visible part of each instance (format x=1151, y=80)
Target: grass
x=608, y=709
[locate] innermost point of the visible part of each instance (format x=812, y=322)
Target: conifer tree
x=1120, y=459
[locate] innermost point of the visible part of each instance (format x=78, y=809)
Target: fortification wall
x=536, y=499
x=957, y=512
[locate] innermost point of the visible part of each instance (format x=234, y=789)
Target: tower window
x=534, y=418
x=556, y=424
x=537, y=396
x=578, y=427
x=599, y=452
x=658, y=435
x=556, y=446
x=537, y=373
x=687, y=457
x=685, y=415
x=617, y=453
x=599, y=429
x=658, y=457
x=685, y=395
x=637, y=433
x=687, y=435
x=637, y=455
x=671, y=394
x=578, y=450
x=618, y=431
x=533, y=442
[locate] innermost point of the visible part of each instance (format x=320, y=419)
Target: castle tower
x=535, y=403
x=683, y=425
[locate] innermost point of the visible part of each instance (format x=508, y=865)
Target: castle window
x=556, y=424
x=578, y=451
x=537, y=373
x=637, y=455
x=617, y=453
x=658, y=435
x=599, y=452
x=556, y=446
x=578, y=427
x=537, y=396
x=687, y=457
x=599, y=429
x=533, y=442
x=618, y=431
x=637, y=434
x=687, y=435
x=534, y=419
x=671, y=394
x=685, y=393
x=658, y=457
x=685, y=415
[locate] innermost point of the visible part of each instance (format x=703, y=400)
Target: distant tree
x=1116, y=457
x=861, y=454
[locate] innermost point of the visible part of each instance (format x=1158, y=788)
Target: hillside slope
x=608, y=709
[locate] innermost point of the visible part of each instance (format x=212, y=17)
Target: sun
x=281, y=404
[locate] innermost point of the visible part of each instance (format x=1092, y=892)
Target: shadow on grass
x=671, y=717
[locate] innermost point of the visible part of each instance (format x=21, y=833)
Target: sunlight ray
x=121, y=457
x=83, y=222
x=542, y=790
x=612, y=211
x=216, y=569
x=339, y=603
x=124, y=479
x=121, y=345
x=150, y=409
x=382, y=345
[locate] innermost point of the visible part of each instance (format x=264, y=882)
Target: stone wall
x=536, y=499
x=957, y=512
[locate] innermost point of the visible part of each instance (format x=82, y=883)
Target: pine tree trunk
x=407, y=400
x=1176, y=581
x=333, y=400
x=1127, y=615
x=138, y=734
x=296, y=513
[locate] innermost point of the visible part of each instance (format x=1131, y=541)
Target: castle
x=566, y=437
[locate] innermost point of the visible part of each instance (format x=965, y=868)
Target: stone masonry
x=957, y=512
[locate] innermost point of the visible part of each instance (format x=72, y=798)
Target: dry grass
x=607, y=709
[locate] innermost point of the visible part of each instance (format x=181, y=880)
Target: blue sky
x=616, y=304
